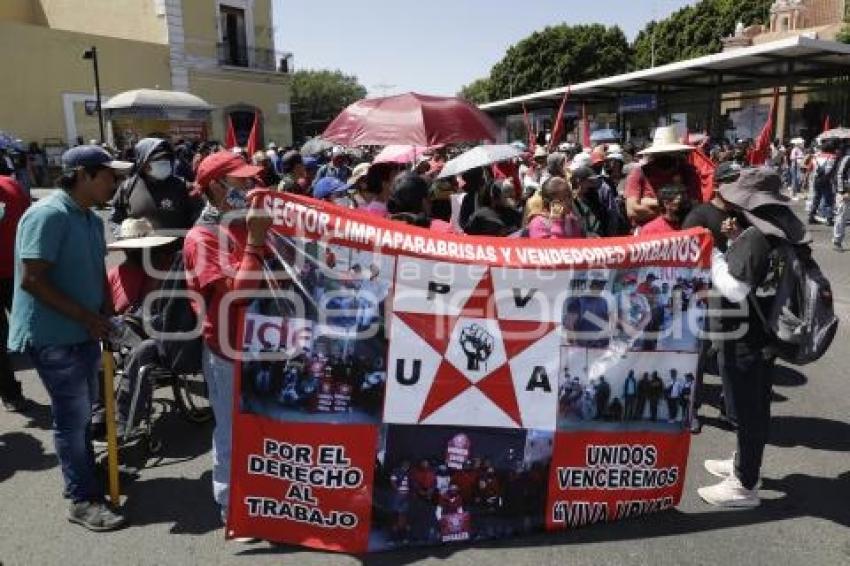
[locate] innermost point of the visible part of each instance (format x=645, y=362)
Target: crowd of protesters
x=61, y=298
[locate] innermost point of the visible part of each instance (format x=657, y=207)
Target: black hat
x=289, y=160
x=583, y=173
x=485, y=222
x=408, y=192
x=727, y=172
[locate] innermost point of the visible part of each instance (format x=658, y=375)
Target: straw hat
x=136, y=233
x=666, y=140
x=540, y=152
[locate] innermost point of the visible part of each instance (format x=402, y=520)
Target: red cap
x=597, y=156
x=223, y=164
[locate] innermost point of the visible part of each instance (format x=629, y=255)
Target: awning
x=162, y=104
x=798, y=59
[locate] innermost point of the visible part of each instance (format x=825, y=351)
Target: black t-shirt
x=749, y=259
x=708, y=216
x=166, y=204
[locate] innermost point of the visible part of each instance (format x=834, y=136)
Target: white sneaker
x=720, y=468
x=730, y=494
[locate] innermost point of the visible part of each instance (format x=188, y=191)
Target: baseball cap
x=223, y=164
x=328, y=186
x=91, y=156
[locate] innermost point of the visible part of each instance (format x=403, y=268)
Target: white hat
x=615, y=148
x=563, y=147
x=540, y=151
x=236, y=149
x=337, y=150
x=616, y=156
x=271, y=145
x=580, y=160
x=136, y=233
x=666, y=140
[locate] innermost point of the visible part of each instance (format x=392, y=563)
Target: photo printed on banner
x=316, y=350
x=604, y=390
x=442, y=484
x=646, y=309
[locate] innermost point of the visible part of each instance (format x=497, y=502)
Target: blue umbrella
x=328, y=186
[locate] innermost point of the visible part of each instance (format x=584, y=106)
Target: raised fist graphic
x=477, y=344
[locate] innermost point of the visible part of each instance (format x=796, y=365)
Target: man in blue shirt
x=60, y=312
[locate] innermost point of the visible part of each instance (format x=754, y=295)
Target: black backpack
x=172, y=314
x=801, y=318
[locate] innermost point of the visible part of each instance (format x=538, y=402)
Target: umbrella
x=480, y=156
x=836, y=134
x=605, y=135
x=401, y=154
x=315, y=145
x=410, y=119
x=152, y=103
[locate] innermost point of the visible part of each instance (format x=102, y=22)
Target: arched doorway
x=242, y=117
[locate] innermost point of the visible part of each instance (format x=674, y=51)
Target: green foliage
x=696, y=30
x=843, y=35
x=477, y=92
x=317, y=98
x=557, y=56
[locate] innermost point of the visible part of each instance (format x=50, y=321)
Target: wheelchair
x=189, y=391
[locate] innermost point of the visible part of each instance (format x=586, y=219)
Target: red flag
x=558, y=129
x=826, y=124
x=759, y=154
x=585, y=126
x=230, y=137
x=532, y=139
x=253, y=138
x=705, y=173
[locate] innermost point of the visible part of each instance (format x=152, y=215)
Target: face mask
x=235, y=198
x=160, y=170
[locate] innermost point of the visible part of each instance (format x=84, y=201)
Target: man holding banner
x=223, y=253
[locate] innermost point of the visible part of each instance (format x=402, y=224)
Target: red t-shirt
x=127, y=286
x=14, y=201
x=647, y=180
x=212, y=262
x=658, y=226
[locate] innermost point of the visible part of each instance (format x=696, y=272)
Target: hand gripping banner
x=402, y=387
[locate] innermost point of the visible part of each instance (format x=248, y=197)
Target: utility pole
x=91, y=54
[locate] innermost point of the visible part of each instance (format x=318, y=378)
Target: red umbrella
x=410, y=119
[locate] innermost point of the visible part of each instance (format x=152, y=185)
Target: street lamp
x=91, y=53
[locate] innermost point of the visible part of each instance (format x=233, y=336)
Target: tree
x=477, y=92
x=318, y=96
x=696, y=30
x=557, y=56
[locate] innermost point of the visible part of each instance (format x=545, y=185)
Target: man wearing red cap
x=222, y=254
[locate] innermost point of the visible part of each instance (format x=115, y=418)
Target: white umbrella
x=836, y=134
x=315, y=145
x=480, y=156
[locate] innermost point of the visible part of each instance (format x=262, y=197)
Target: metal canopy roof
x=773, y=64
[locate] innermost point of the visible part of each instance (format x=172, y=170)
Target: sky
x=434, y=46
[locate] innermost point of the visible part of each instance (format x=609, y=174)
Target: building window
x=234, y=49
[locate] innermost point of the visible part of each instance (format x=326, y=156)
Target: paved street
x=803, y=520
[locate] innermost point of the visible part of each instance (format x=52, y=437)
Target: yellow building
x=220, y=50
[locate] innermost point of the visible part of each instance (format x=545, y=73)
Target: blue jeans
x=70, y=376
x=218, y=373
